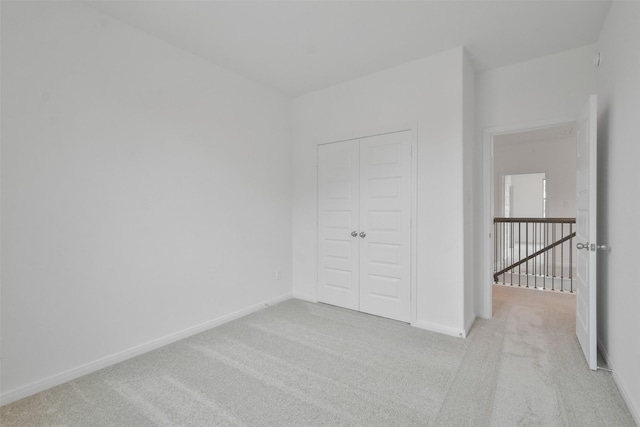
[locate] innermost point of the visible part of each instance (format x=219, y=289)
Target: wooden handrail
x=537, y=220
x=533, y=255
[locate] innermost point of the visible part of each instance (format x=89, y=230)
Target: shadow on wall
x=603, y=222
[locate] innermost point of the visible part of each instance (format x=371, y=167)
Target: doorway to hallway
x=534, y=188
x=585, y=210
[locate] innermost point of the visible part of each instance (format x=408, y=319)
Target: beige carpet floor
x=303, y=364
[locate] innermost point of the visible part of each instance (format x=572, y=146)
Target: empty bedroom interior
x=159, y=175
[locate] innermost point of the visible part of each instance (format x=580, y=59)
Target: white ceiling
x=299, y=47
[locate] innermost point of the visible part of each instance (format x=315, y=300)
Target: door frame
x=412, y=128
x=485, y=303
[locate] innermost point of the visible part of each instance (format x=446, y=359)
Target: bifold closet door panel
x=338, y=219
x=385, y=220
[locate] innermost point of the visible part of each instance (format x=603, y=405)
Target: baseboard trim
x=604, y=353
x=635, y=412
x=71, y=374
x=469, y=325
x=441, y=329
x=305, y=297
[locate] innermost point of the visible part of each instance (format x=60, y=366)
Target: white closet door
x=338, y=199
x=385, y=221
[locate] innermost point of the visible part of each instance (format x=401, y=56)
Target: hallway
x=532, y=367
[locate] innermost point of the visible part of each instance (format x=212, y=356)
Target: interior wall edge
x=468, y=325
x=441, y=329
x=305, y=297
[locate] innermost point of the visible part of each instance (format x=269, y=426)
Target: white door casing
x=586, y=232
x=364, y=186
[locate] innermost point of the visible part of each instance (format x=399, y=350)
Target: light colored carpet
x=303, y=364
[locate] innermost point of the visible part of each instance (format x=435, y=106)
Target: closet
x=364, y=224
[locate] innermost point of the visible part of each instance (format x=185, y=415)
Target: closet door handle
x=354, y=234
x=363, y=234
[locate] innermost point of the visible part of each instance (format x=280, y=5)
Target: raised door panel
x=338, y=217
x=385, y=218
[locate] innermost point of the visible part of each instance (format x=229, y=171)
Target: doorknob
x=582, y=246
x=363, y=234
x=354, y=233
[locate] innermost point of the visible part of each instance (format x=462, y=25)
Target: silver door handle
x=582, y=246
x=354, y=234
x=363, y=234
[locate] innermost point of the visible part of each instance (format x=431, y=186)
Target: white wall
x=551, y=89
x=545, y=88
x=527, y=195
x=144, y=192
x=618, y=201
x=428, y=92
x=555, y=157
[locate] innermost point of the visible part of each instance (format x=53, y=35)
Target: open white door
x=586, y=229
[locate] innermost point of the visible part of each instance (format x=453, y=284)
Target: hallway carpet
x=304, y=364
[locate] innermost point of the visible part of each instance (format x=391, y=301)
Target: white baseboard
x=305, y=297
x=433, y=327
x=71, y=374
x=441, y=329
x=468, y=326
x=604, y=353
x=635, y=411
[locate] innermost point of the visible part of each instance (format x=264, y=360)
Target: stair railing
x=534, y=252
